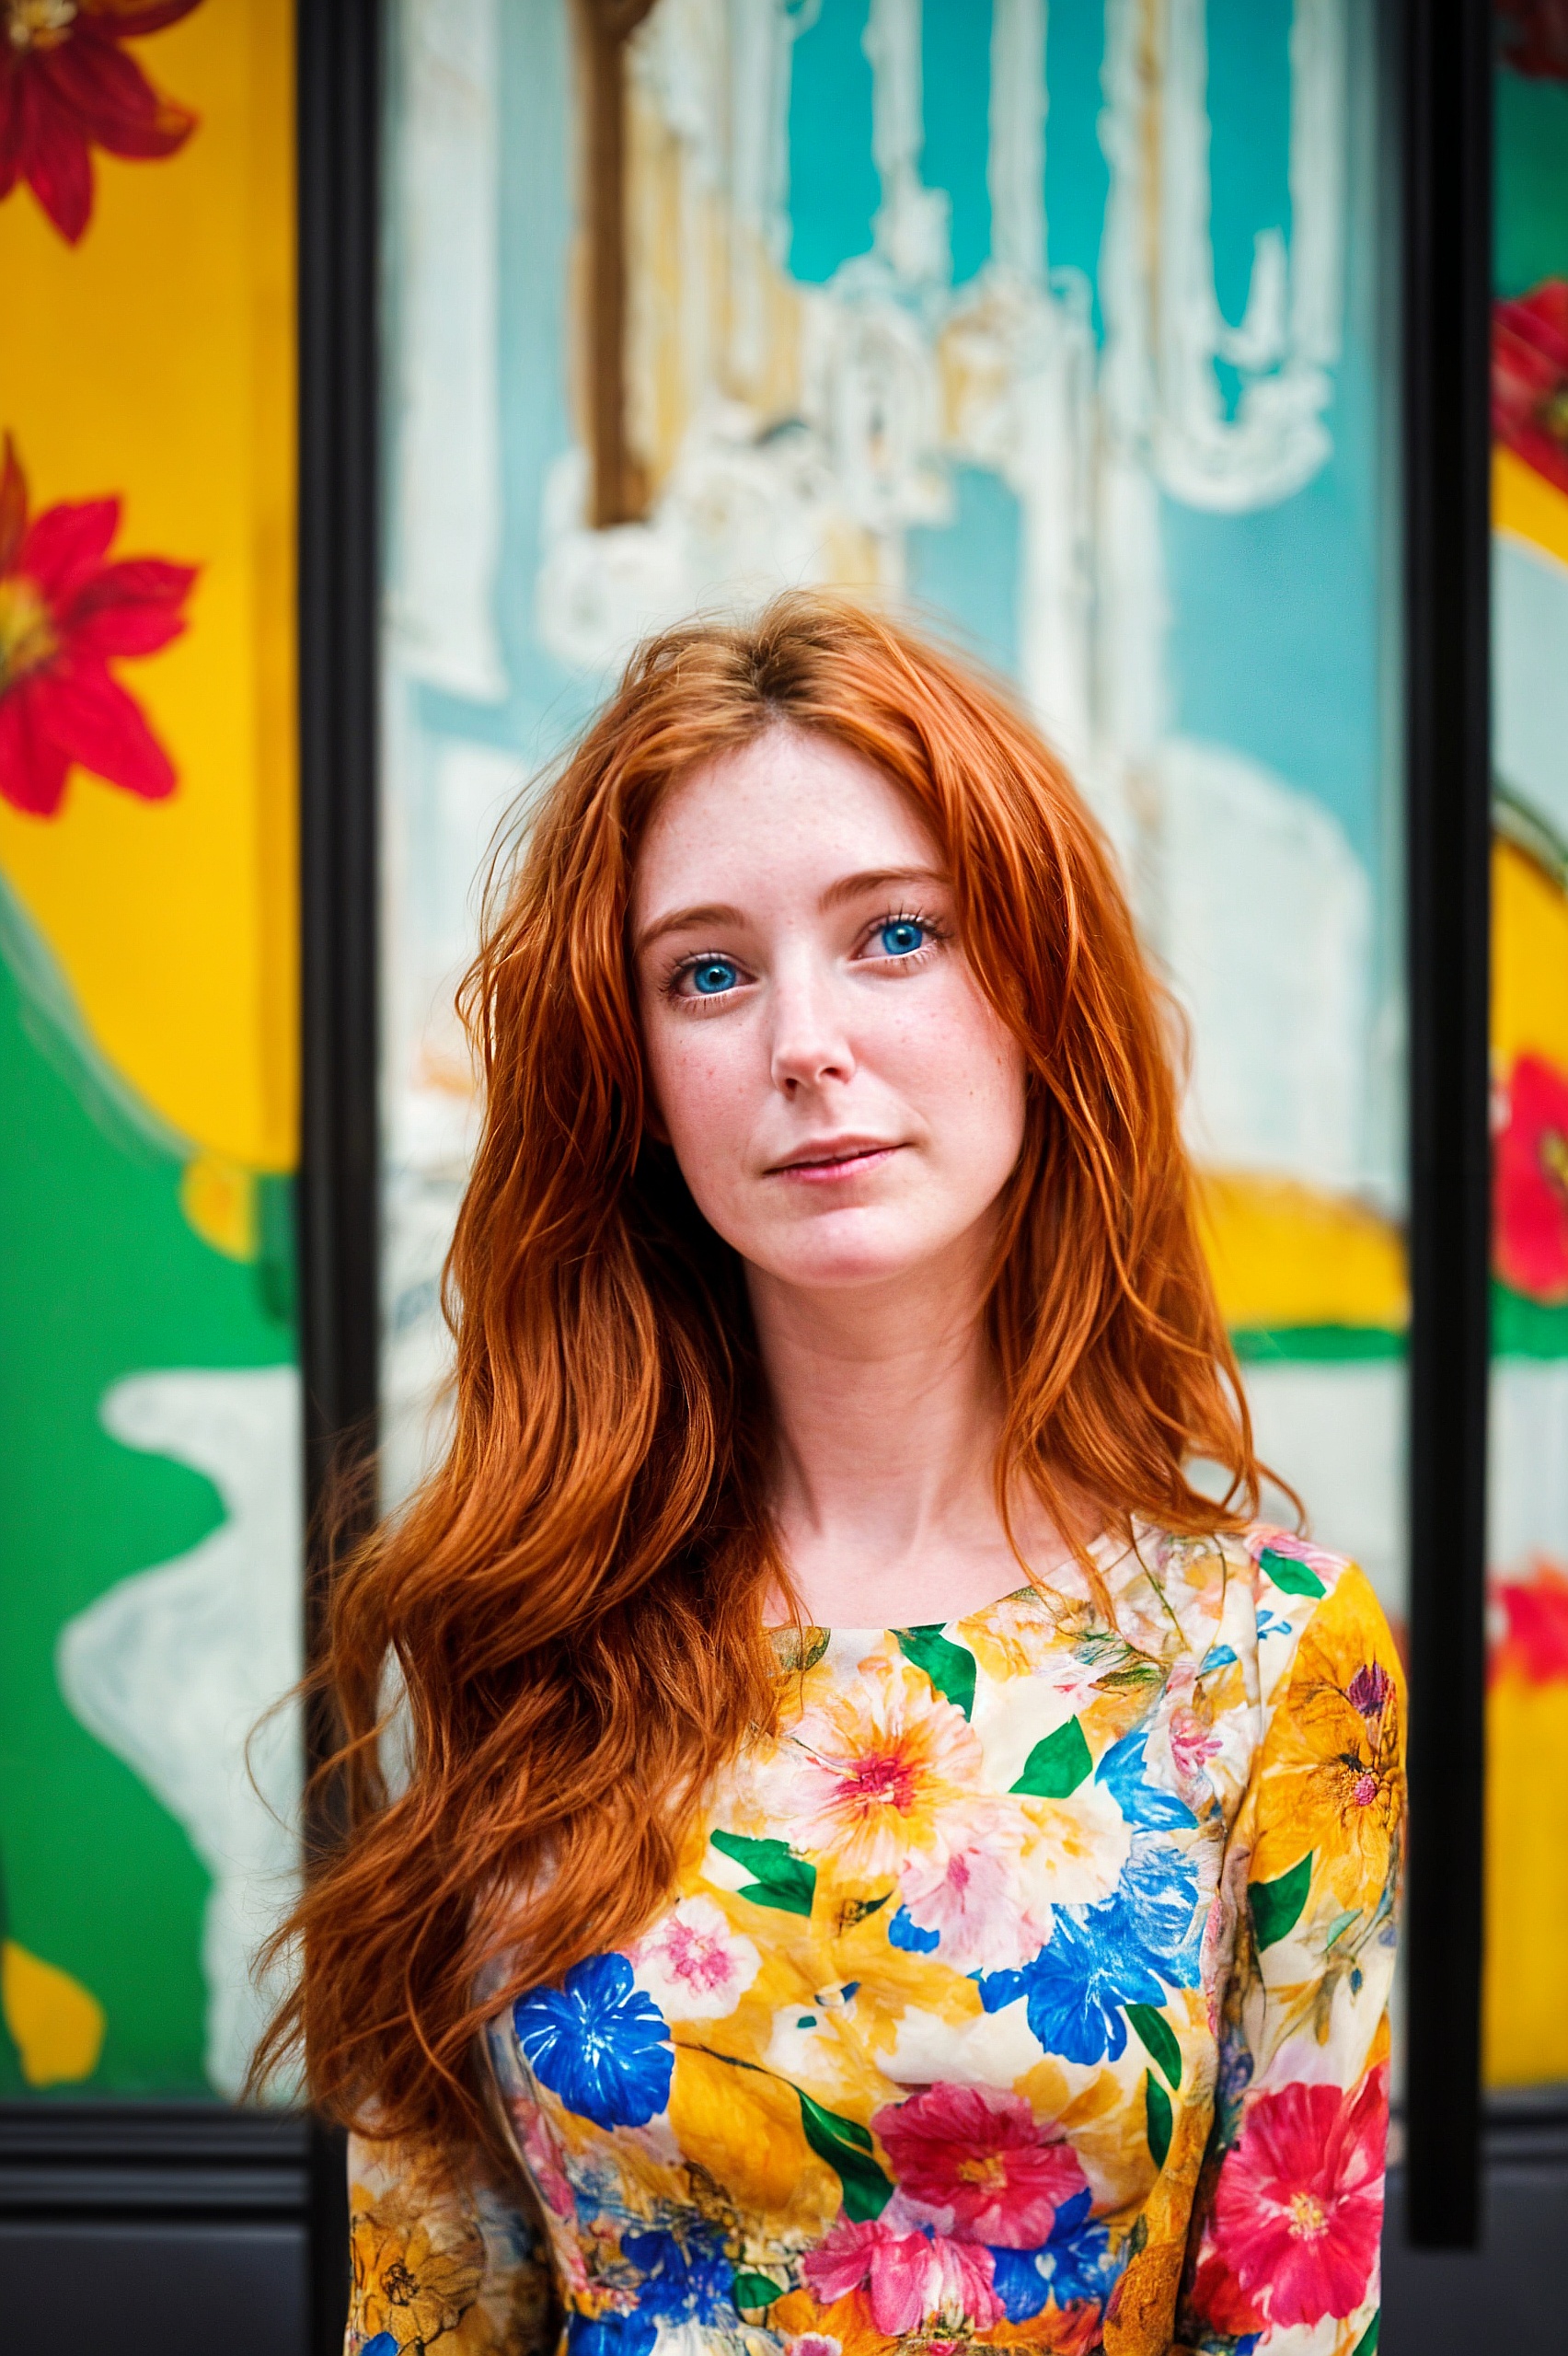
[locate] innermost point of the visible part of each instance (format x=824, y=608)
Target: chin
x=817, y=1259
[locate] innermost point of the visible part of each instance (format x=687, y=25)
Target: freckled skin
x=823, y=1034
x=847, y=1108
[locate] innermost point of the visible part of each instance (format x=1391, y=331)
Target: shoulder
x=1315, y=1615
x=1259, y=1604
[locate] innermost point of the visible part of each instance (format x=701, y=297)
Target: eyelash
x=703, y=1006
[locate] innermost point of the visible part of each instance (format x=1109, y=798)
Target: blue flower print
x=1128, y=1949
x=1074, y=2264
x=905, y=1933
x=1156, y=1909
x=684, y=2280
x=1077, y=2259
x=1147, y=1806
x=1019, y=2283
x=1077, y=1986
x=599, y=2043
x=611, y=2334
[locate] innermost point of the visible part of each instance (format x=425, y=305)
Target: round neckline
x=1096, y=1547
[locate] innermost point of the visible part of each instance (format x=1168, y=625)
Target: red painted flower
x=63, y=615
x=1536, y=1645
x=1535, y=38
x=67, y=86
x=983, y=2157
x=1530, y=1182
x=1530, y=378
x=1300, y=2207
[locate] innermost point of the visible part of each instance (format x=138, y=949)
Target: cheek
x=696, y=1088
x=966, y=1070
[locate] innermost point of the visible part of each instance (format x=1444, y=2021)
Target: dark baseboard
x=1507, y=2294
x=165, y=2229
x=155, y=2229
x=180, y=2163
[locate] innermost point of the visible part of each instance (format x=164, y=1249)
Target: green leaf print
x=782, y=1880
x=754, y=2291
x=1158, y=2035
x=1277, y=1905
x=1367, y=2343
x=1291, y=1576
x=847, y=2147
x=1057, y=1765
x=1156, y=2111
x=948, y=1665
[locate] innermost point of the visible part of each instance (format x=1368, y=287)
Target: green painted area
x=1321, y=1344
x=1522, y=1328
x=100, y=1277
x=1530, y=235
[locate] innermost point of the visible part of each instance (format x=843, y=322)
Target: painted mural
x=1065, y=325
x=149, y=1562
x=1527, y=2034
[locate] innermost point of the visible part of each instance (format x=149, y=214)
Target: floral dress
x=1029, y=1989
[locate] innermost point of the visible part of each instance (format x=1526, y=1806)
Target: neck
x=888, y=1416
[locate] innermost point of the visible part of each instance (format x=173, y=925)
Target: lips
x=830, y=1157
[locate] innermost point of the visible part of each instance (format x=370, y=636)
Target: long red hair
x=573, y=1602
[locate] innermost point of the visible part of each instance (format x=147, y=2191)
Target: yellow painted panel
x=1529, y=960
x=1527, y=507
x=155, y=361
x=56, y=2025
x=218, y=1197
x=1526, y=2019
x=1285, y=1255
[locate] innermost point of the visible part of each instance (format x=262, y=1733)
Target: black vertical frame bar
x=1448, y=288
x=339, y=51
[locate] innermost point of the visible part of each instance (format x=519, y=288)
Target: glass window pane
x=1525, y=2024
x=1076, y=340
x=150, y=1574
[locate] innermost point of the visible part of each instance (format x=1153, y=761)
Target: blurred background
x=1077, y=327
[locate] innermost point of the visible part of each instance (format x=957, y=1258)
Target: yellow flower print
x=1334, y=1784
x=1076, y=1850
x=885, y=1771
x=417, y=2265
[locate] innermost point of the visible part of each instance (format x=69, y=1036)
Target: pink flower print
x=973, y=1902
x=692, y=1964
x=1264, y=1539
x=981, y=2155
x=885, y=1771
x=553, y=2186
x=911, y=2278
x=1193, y=1741
x=1299, y=2206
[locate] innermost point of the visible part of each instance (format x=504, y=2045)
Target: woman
x=883, y=1859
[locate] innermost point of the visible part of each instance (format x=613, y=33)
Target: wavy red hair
x=572, y=1602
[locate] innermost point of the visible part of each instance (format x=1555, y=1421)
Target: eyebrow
x=849, y=887
x=877, y=879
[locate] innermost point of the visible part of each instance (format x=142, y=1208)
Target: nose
x=811, y=1044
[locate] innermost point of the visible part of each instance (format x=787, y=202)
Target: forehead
x=791, y=810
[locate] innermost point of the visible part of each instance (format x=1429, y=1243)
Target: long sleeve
x=1283, y=2250
x=461, y=2264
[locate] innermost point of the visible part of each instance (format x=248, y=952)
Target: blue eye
x=903, y=937
x=713, y=976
